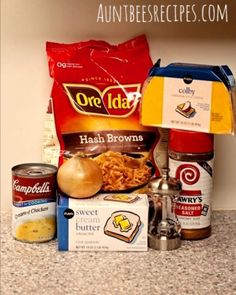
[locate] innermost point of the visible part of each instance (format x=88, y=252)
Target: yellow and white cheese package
x=190, y=97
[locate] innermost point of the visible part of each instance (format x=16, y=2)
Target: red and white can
x=34, y=202
x=191, y=157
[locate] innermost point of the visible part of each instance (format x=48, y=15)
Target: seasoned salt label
x=193, y=207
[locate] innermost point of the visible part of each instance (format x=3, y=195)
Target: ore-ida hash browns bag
x=94, y=109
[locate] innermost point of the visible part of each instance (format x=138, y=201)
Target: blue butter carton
x=106, y=222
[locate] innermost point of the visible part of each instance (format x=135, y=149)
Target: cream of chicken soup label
x=34, y=202
x=107, y=222
x=193, y=207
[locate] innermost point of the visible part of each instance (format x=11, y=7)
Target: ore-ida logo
x=115, y=101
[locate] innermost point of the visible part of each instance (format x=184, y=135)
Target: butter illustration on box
x=106, y=222
x=123, y=225
x=203, y=94
x=128, y=198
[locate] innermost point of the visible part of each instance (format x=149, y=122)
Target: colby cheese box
x=190, y=97
x=106, y=222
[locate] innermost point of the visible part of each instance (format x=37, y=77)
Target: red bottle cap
x=183, y=141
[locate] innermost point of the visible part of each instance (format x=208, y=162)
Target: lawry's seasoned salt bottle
x=191, y=157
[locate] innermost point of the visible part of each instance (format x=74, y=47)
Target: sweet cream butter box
x=106, y=222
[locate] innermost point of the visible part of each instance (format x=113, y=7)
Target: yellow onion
x=80, y=177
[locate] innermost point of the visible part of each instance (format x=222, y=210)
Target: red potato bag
x=95, y=109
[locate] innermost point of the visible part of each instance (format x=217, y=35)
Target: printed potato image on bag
x=95, y=108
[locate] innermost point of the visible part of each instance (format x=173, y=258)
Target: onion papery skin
x=79, y=177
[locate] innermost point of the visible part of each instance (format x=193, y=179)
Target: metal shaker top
x=165, y=185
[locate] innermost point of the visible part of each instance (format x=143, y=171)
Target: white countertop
x=206, y=267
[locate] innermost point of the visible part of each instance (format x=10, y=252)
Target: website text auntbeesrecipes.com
x=154, y=13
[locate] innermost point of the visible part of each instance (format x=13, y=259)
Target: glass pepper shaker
x=164, y=228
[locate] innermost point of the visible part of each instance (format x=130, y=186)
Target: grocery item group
x=114, y=121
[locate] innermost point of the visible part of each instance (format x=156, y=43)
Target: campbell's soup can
x=34, y=202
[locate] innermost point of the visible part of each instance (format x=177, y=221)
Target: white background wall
x=27, y=24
